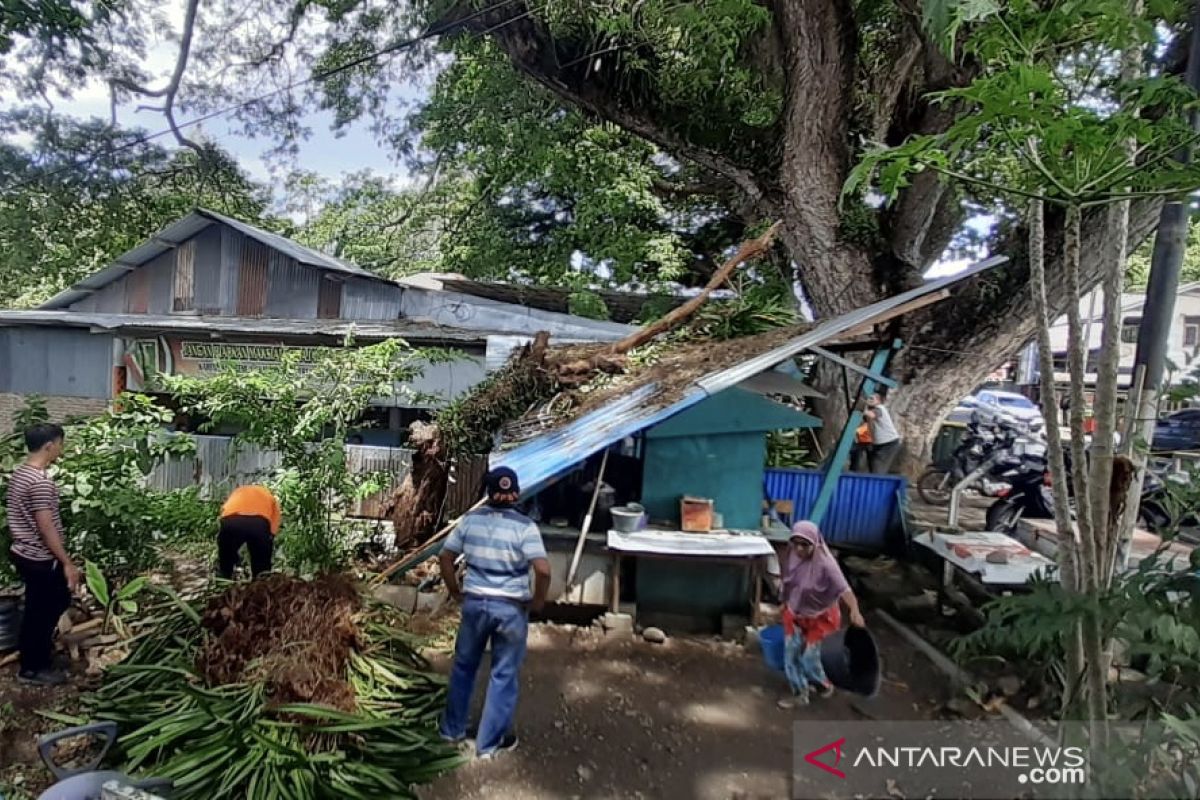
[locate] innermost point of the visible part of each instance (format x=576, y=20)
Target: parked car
x=963, y=411
x=1014, y=406
x=1178, y=431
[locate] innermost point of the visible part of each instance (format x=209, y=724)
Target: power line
x=405, y=44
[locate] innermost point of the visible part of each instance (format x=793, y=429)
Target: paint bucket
x=770, y=639
x=851, y=661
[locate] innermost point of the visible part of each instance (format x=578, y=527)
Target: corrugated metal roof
x=554, y=452
x=180, y=231
x=240, y=325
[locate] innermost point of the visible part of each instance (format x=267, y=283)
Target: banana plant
x=115, y=603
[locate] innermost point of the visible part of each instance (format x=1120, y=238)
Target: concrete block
x=617, y=622
x=402, y=597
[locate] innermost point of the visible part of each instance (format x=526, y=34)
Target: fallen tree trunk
x=749, y=250
x=533, y=376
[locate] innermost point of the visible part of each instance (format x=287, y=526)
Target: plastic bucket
x=626, y=520
x=771, y=641
x=851, y=661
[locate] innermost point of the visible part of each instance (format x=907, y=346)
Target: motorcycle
x=982, y=442
x=1032, y=497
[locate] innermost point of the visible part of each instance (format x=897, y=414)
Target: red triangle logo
x=836, y=747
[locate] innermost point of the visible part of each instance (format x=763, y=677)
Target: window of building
x=184, y=294
x=1129, y=329
x=252, y=279
x=1191, y=331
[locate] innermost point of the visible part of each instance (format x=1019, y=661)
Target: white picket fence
x=218, y=467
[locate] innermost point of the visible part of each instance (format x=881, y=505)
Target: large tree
x=757, y=109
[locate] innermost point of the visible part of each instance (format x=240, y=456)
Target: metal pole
x=980, y=471
x=583, y=531
x=1162, y=286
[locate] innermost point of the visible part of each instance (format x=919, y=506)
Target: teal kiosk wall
x=715, y=449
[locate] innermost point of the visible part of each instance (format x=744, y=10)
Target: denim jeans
x=802, y=663
x=505, y=624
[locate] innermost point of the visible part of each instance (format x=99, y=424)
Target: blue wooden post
x=841, y=454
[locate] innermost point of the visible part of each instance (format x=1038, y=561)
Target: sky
x=325, y=153
x=330, y=155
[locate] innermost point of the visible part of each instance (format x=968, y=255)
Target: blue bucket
x=771, y=641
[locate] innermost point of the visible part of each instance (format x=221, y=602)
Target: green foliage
x=1137, y=268
x=521, y=187
x=1154, y=610
x=790, y=449
x=233, y=740
x=115, y=601
x=60, y=222
x=587, y=304
x=754, y=308
x=1033, y=127
x=110, y=517
x=305, y=412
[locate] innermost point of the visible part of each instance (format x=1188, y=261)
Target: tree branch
x=171, y=90
x=535, y=52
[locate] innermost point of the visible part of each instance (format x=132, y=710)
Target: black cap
x=502, y=480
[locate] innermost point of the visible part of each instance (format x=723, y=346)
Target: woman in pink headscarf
x=813, y=585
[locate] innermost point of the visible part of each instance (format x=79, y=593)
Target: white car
x=1012, y=405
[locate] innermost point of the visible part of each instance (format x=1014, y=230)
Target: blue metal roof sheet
x=556, y=451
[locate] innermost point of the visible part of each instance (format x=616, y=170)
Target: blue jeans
x=802, y=663
x=505, y=624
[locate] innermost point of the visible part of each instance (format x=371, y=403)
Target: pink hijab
x=811, y=585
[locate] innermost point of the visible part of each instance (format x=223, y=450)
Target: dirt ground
x=687, y=719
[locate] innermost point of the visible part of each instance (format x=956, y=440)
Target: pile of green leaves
x=231, y=741
x=1154, y=610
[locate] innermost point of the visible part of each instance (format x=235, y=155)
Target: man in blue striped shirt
x=499, y=545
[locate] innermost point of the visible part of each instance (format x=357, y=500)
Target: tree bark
x=794, y=171
x=1068, y=547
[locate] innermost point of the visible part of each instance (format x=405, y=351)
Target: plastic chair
x=87, y=782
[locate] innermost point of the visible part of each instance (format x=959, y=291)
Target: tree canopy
x=76, y=196
x=574, y=141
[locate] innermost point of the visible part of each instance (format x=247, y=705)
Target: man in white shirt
x=885, y=439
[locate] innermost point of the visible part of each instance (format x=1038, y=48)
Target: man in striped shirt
x=38, y=552
x=500, y=546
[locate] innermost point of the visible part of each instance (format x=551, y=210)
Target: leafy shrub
x=305, y=412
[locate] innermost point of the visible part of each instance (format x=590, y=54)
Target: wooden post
x=841, y=454
x=614, y=603
x=756, y=571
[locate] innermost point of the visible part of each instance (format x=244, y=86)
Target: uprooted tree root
x=293, y=636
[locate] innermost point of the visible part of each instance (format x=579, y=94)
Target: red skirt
x=814, y=628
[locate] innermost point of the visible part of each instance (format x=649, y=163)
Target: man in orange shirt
x=249, y=517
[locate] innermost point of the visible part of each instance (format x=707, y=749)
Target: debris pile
x=278, y=682
x=532, y=384
x=292, y=636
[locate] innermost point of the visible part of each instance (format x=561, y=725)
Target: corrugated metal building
x=209, y=289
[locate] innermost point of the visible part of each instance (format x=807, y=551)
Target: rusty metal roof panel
x=556, y=451
x=254, y=326
x=189, y=226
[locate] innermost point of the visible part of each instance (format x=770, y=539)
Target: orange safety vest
x=863, y=434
